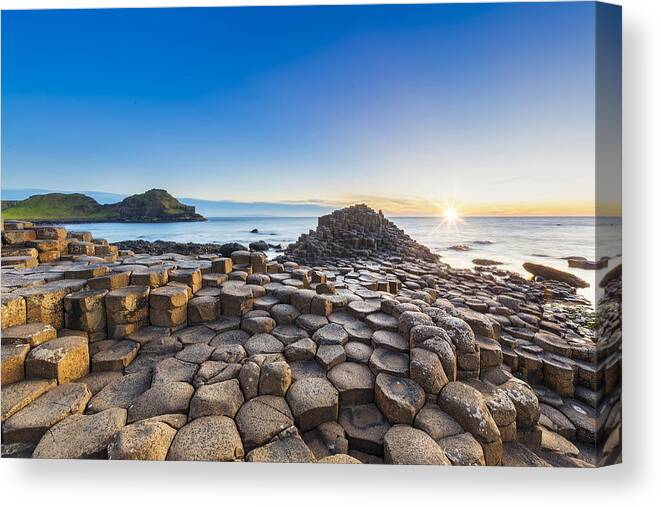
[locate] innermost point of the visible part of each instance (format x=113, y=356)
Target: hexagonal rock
x=235, y=299
x=203, y=309
x=359, y=331
x=330, y=356
x=365, y=427
x=30, y=423
x=459, y=332
x=64, y=359
x=404, y=445
x=312, y=401
x=445, y=353
x=302, y=300
x=426, y=369
x=284, y=314
x=398, y=398
x=261, y=419
x=263, y=343
x=354, y=382
x=13, y=362
x=339, y=459
x=436, y=423
x=222, y=398
x=20, y=394
x=221, y=265
x=301, y=350
x=117, y=357
x=289, y=334
x=14, y=312
x=525, y=401
x=173, y=370
x=98, y=380
x=190, y=277
x=420, y=334
x=408, y=320
x=480, y=324
x=168, y=398
x=85, y=310
x=168, y=306
x=147, y=440
x=380, y=320
x=386, y=361
x=390, y=340
x=44, y=304
x=127, y=310
x=361, y=309
x=120, y=393
x=195, y=353
x=467, y=406
x=31, y=334
x=249, y=379
x=212, y=438
x=197, y=334
x=358, y=352
x=331, y=334
x=310, y=322
x=275, y=378
x=283, y=450
x=81, y=436
x=463, y=450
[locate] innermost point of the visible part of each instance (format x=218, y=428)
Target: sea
x=510, y=240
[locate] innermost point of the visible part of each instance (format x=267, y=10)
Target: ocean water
x=510, y=240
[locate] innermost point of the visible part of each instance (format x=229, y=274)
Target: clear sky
x=489, y=107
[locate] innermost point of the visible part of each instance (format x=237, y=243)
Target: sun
x=450, y=214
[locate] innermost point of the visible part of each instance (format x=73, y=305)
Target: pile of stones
x=386, y=358
x=356, y=232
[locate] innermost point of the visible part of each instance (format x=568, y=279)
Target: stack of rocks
x=356, y=232
x=373, y=360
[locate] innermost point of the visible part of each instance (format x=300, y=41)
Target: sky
x=489, y=108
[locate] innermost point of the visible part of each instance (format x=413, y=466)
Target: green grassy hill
x=153, y=206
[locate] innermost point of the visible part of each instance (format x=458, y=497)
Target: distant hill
x=153, y=206
x=208, y=208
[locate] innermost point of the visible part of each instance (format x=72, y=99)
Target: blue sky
x=490, y=107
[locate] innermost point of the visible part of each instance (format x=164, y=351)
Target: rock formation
x=374, y=352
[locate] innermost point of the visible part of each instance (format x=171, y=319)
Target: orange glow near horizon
x=451, y=210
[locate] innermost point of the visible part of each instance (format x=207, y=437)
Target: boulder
x=404, y=445
x=146, y=440
x=81, y=436
x=212, y=438
x=312, y=402
x=398, y=398
x=64, y=359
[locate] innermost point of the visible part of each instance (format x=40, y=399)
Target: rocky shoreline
x=356, y=345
